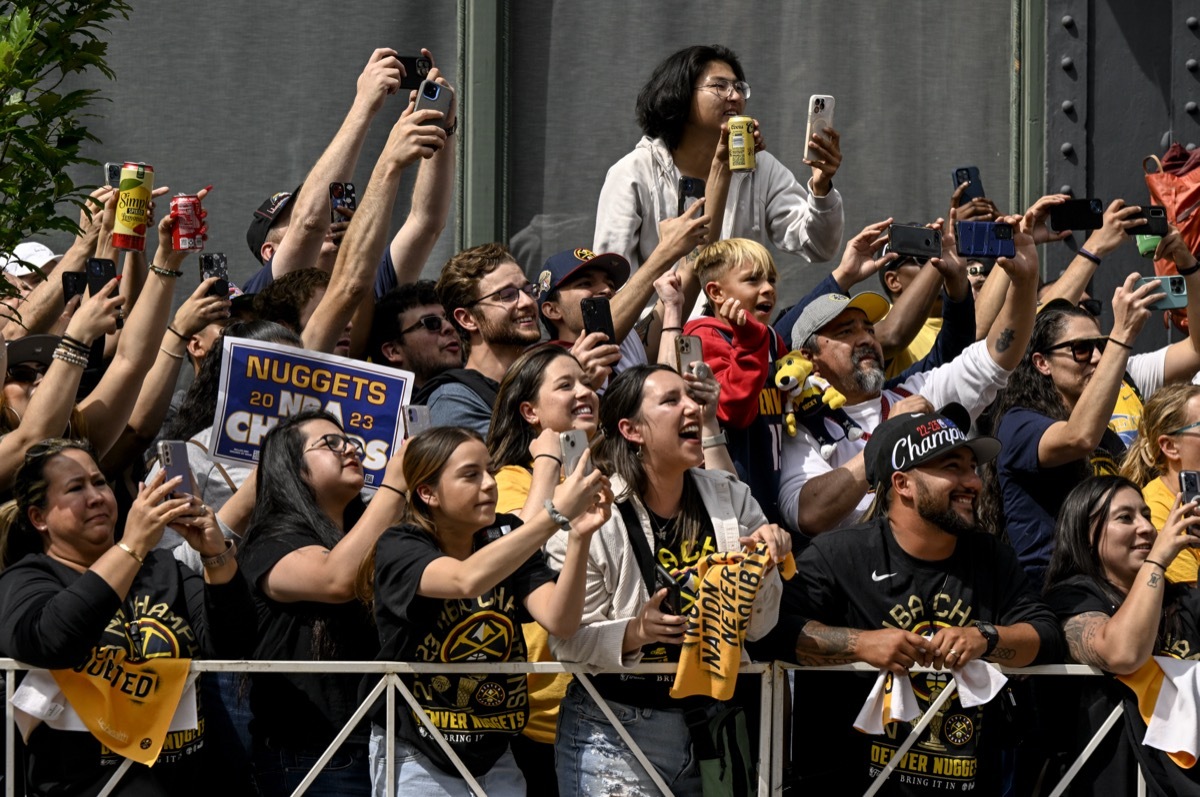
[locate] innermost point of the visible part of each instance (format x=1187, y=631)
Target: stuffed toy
x=811, y=402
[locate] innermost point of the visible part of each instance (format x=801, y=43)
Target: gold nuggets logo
x=490, y=694
x=544, y=281
x=958, y=729
x=151, y=639
x=584, y=254
x=483, y=636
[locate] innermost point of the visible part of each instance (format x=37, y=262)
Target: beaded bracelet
x=70, y=357
x=165, y=272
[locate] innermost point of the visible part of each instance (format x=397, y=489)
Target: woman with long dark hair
x=450, y=585
x=1106, y=583
x=306, y=540
x=652, y=445
x=75, y=598
x=682, y=111
x=1052, y=419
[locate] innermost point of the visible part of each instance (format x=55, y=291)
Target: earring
x=638, y=453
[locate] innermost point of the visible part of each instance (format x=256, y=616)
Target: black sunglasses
x=26, y=372
x=433, y=323
x=1081, y=350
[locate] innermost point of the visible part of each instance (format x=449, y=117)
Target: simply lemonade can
x=133, y=206
x=741, y=143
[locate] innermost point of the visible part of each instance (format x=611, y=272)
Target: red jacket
x=740, y=358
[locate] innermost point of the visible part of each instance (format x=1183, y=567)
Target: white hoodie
x=767, y=204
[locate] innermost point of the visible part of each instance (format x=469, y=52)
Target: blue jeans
x=592, y=759
x=278, y=771
x=416, y=774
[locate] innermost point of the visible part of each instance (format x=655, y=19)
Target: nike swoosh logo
x=876, y=577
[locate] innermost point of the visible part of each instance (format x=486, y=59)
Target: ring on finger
x=952, y=653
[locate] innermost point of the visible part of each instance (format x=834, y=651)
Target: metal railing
x=771, y=724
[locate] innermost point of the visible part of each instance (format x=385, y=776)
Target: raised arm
x=1118, y=218
x=310, y=210
x=1010, y=332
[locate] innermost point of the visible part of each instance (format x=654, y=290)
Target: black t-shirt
x=1113, y=768
x=477, y=713
x=300, y=710
x=861, y=578
x=55, y=617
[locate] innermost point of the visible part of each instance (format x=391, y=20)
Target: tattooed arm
x=822, y=645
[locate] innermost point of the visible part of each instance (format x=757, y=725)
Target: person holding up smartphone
x=1167, y=444
x=682, y=111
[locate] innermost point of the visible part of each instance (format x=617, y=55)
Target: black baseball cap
x=905, y=441
x=264, y=219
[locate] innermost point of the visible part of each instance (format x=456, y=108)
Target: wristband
x=177, y=333
x=562, y=520
x=1120, y=343
x=131, y=552
x=75, y=343
x=230, y=551
x=1187, y=272
x=394, y=490
x=170, y=354
x=714, y=441
x=548, y=456
x=1087, y=255
x=1160, y=564
x=165, y=272
x=672, y=329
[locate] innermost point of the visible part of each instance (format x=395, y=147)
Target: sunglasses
x=510, y=294
x=1092, y=307
x=26, y=372
x=433, y=323
x=1081, y=350
x=338, y=444
x=978, y=271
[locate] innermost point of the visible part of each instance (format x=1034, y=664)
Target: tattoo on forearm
x=1005, y=340
x=821, y=645
x=1154, y=580
x=1003, y=654
x=1081, y=631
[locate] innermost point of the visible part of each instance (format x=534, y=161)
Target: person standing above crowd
x=682, y=111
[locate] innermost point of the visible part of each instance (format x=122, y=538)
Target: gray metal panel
x=921, y=88
x=1067, y=89
x=247, y=95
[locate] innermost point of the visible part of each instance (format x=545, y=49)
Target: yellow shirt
x=545, y=690
x=1160, y=498
x=920, y=346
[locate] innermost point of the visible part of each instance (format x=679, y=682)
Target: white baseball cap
x=27, y=253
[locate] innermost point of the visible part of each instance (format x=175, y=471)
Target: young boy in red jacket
x=738, y=279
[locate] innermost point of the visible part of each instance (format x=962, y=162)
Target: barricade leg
x=766, y=747
x=10, y=740
x=116, y=778
x=781, y=688
x=343, y=734
x=1087, y=752
x=918, y=729
x=625, y=737
x=437, y=736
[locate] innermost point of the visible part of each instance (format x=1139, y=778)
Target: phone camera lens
x=1177, y=285
x=431, y=91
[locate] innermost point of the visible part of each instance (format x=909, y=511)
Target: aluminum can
x=185, y=209
x=741, y=143
x=133, y=206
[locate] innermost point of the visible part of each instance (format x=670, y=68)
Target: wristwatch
x=990, y=635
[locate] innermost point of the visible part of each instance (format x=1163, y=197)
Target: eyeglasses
x=1092, y=307
x=725, y=88
x=1183, y=429
x=433, y=323
x=510, y=294
x=26, y=372
x=338, y=444
x=1081, y=350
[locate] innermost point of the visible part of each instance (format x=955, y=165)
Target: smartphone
x=690, y=189
x=673, y=603
x=416, y=67
x=1189, y=485
x=1173, y=286
x=573, y=444
x=1077, y=214
x=100, y=272
x=1156, y=221
x=341, y=195
x=216, y=264
x=688, y=350
x=597, y=317
x=112, y=174
x=172, y=455
x=986, y=239
x=964, y=174
x=914, y=240
x=416, y=420
x=434, y=97
x=820, y=119
x=74, y=284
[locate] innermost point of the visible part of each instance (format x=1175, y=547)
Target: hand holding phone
x=820, y=119
x=435, y=97
x=1077, y=214
x=597, y=317
x=172, y=455
x=914, y=240
x=688, y=350
x=573, y=444
x=215, y=264
x=1189, y=486
x=341, y=195
x=967, y=174
x=416, y=68
x=690, y=190
x=1174, y=287
x=673, y=602
x=100, y=272
x=74, y=284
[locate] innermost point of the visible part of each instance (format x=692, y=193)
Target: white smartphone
x=688, y=350
x=416, y=419
x=820, y=119
x=573, y=444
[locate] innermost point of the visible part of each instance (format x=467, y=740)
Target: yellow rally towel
x=1168, y=695
x=126, y=705
x=712, y=644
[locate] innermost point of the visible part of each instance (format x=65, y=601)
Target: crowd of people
x=996, y=481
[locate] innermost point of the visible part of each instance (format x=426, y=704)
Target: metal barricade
x=771, y=725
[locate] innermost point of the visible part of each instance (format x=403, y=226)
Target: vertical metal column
x=1185, y=73
x=1028, y=163
x=483, y=146
x=1066, y=104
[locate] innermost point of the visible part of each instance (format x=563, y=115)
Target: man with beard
x=486, y=296
x=837, y=334
x=917, y=584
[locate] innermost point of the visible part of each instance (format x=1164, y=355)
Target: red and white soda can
x=185, y=209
